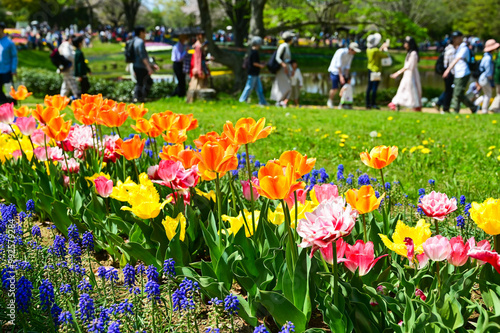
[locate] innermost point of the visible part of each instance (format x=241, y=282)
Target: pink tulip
x=437, y=205
x=56, y=154
x=39, y=138
x=331, y=220
x=40, y=153
x=422, y=259
x=66, y=181
x=420, y=294
x=325, y=192
x=17, y=154
x=327, y=252
x=482, y=245
x=301, y=197
x=7, y=113
x=72, y=166
x=153, y=172
x=80, y=137
x=103, y=186
x=246, y=188
x=27, y=125
x=458, y=255
x=360, y=256
x=167, y=170
x=187, y=178
x=491, y=257
x=5, y=129
x=437, y=248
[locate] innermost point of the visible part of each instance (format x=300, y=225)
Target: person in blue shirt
x=8, y=62
x=178, y=56
x=486, y=68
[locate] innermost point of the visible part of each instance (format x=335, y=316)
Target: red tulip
x=360, y=256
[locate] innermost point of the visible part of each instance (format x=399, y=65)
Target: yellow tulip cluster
x=143, y=197
x=487, y=215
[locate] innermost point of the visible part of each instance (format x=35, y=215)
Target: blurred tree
x=174, y=16
x=477, y=17
x=131, y=8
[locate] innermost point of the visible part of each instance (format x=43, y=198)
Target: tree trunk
x=257, y=18
x=130, y=8
x=233, y=61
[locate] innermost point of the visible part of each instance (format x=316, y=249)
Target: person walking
x=495, y=106
x=445, y=98
x=339, y=68
x=281, y=88
x=81, y=67
x=253, y=71
x=8, y=62
x=178, y=57
x=486, y=68
x=375, y=55
x=142, y=67
x=199, y=71
x=462, y=73
x=69, y=84
x=409, y=92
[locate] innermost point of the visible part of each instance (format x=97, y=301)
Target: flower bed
x=206, y=237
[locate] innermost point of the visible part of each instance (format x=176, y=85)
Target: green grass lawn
x=459, y=145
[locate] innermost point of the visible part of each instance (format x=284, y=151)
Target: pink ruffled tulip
x=327, y=252
x=246, y=188
x=167, y=170
x=187, y=178
x=324, y=192
x=331, y=220
x=422, y=259
x=437, y=248
x=40, y=153
x=56, y=153
x=491, y=257
x=301, y=197
x=103, y=186
x=72, y=166
x=360, y=256
x=7, y=113
x=80, y=137
x=437, y=205
x=27, y=125
x=458, y=255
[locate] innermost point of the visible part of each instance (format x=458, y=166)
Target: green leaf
x=282, y=309
x=450, y=312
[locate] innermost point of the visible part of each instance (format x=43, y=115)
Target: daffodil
x=237, y=222
x=170, y=224
x=487, y=215
x=418, y=234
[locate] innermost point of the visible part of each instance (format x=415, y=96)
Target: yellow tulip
x=209, y=195
x=419, y=234
x=487, y=215
x=170, y=224
x=238, y=222
x=277, y=217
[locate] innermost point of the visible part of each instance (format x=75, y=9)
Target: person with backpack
x=8, y=62
x=444, y=60
x=282, y=86
x=81, y=67
x=486, y=68
x=69, y=84
x=253, y=67
x=462, y=73
x=143, y=69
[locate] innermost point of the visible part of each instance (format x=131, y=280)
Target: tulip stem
x=251, y=188
x=496, y=238
x=19, y=142
x=365, y=235
x=288, y=223
x=296, y=208
x=325, y=265
x=383, y=181
x=136, y=171
x=437, y=226
x=335, y=276
x=118, y=131
x=219, y=208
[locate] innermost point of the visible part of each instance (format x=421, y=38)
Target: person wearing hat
x=375, y=55
x=8, y=62
x=339, y=67
x=253, y=67
x=280, y=91
x=486, y=67
x=178, y=55
x=409, y=92
x=462, y=73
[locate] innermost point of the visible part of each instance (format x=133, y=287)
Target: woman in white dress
x=282, y=86
x=409, y=92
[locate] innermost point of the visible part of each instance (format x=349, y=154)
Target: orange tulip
x=23, y=111
x=130, y=149
x=175, y=136
x=163, y=121
x=213, y=137
x=136, y=112
x=142, y=126
x=276, y=182
x=21, y=94
x=363, y=200
x=246, y=130
x=301, y=164
x=112, y=114
x=88, y=99
x=379, y=157
x=57, y=101
x=177, y=152
x=45, y=115
x=87, y=113
x=214, y=159
x=57, y=129
x=186, y=122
